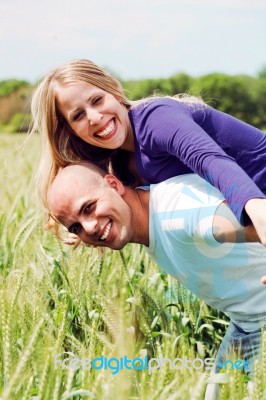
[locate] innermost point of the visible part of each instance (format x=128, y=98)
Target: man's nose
x=90, y=226
x=94, y=116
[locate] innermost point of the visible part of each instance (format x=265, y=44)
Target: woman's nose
x=94, y=117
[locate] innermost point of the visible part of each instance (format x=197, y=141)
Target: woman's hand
x=263, y=280
x=70, y=238
x=256, y=210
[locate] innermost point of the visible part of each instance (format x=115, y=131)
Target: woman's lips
x=108, y=132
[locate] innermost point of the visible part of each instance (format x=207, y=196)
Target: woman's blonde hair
x=60, y=145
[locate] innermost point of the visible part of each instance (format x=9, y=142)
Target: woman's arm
x=256, y=210
x=226, y=227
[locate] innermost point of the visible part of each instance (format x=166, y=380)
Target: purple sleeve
x=177, y=134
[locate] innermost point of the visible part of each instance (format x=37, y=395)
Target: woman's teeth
x=107, y=130
x=106, y=231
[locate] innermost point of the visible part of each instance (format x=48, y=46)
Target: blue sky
x=133, y=38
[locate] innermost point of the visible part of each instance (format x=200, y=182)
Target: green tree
x=11, y=85
x=262, y=72
x=235, y=95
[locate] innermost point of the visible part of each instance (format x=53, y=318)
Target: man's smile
x=105, y=231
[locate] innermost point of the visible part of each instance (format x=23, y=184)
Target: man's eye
x=87, y=209
x=75, y=229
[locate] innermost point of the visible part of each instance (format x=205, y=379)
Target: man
x=188, y=230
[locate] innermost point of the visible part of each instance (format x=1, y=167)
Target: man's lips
x=108, y=131
x=104, y=235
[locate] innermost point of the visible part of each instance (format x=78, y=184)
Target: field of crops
x=59, y=303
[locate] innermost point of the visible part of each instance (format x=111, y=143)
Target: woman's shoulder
x=154, y=101
x=145, y=107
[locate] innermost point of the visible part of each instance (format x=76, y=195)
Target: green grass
x=92, y=303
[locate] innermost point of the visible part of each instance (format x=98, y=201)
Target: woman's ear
x=114, y=183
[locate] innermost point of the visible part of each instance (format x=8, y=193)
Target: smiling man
x=97, y=207
x=187, y=229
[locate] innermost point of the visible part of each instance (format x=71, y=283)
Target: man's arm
x=226, y=227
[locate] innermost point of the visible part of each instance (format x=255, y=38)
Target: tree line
x=242, y=96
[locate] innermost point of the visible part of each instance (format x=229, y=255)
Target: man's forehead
x=71, y=183
x=80, y=172
x=71, y=176
x=73, y=188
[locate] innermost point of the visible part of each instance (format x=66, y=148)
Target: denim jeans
x=246, y=344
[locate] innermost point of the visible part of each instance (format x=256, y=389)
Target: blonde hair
x=60, y=145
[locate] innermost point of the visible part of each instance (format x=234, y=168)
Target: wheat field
x=87, y=303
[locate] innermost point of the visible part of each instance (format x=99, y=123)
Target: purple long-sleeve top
x=174, y=138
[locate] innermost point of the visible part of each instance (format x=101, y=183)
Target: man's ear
x=114, y=183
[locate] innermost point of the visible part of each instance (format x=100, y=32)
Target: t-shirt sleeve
x=175, y=133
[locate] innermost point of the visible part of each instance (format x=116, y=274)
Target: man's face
x=91, y=207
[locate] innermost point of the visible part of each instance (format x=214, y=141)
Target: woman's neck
x=129, y=143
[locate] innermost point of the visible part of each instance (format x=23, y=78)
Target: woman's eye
x=77, y=116
x=96, y=100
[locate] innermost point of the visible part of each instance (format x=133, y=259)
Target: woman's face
x=96, y=116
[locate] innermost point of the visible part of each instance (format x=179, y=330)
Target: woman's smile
x=108, y=131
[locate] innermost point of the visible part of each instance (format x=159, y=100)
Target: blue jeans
x=247, y=345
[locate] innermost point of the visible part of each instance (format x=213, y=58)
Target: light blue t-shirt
x=225, y=275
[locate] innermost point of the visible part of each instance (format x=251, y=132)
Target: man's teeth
x=106, y=231
x=107, y=130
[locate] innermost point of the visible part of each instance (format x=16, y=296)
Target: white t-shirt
x=225, y=275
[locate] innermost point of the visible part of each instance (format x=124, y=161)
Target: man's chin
x=116, y=246
x=119, y=244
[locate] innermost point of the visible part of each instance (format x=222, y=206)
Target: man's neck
x=138, y=201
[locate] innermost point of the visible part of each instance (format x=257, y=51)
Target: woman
x=83, y=113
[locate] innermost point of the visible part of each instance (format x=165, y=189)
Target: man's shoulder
x=183, y=192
